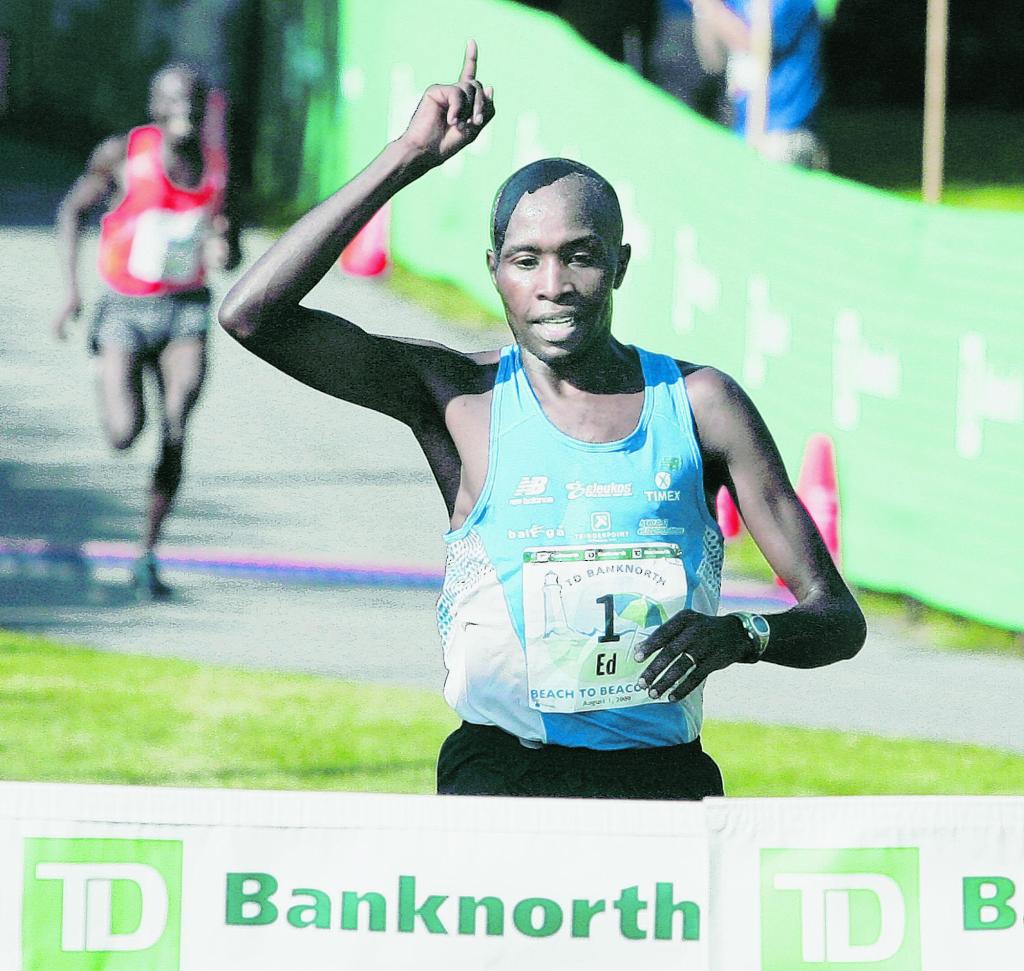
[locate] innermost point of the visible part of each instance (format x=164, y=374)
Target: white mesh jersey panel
x=486, y=682
x=466, y=568
x=709, y=573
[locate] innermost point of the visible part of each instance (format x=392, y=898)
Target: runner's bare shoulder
x=108, y=158
x=110, y=153
x=704, y=382
x=477, y=357
x=485, y=357
x=450, y=373
x=714, y=396
x=103, y=175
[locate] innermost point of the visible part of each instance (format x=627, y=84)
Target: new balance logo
x=530, y=491
x=531, y=485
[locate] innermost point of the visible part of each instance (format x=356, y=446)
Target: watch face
x=760, y=625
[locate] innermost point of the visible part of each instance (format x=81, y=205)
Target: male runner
x=156, y=241
x=583, y=567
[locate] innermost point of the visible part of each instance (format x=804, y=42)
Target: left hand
x=686, y=649
x=450, y=116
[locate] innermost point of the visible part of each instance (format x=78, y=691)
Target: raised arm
x=263, y=310
x=90, y=189
x=826, y=625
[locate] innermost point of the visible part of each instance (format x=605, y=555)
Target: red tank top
x=151, y=243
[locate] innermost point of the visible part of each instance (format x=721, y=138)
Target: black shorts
x=146, y=325
x=480, y=760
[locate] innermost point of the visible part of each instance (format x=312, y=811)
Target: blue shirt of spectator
x=794, y=84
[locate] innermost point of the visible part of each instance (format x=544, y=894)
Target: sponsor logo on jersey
x=658, y=527
x=662, y=491
x=598, y=490
x=600, y=530
x=530, y=491
x=536, y=531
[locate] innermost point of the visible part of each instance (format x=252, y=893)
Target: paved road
x=282, y=470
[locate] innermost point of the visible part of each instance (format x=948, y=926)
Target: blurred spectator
x=770, y=52
x=623, y=29
x=673, y=63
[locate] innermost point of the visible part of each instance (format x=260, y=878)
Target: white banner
x=133, y=879
x=887, y=884
x=110, y=878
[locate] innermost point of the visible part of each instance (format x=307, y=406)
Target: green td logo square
x=101, y=905
x=837, y=909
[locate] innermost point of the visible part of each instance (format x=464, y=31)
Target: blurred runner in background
x=166, y=226
x=579, y=609
x=770, y=51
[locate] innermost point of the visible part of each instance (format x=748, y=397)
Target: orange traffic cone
x=818, y=490
x=369, y=253
x=727, y=514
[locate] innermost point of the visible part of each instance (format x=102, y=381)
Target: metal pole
x=935, y=100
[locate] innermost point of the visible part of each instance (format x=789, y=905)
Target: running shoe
x=145, y=580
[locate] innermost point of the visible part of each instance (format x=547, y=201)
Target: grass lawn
x=70, y=714
x=75, y=715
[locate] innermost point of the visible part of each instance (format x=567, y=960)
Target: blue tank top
x=573, y=553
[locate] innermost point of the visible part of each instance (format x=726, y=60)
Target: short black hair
x=542, y=173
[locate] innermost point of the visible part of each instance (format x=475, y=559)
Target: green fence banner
x=890, y=326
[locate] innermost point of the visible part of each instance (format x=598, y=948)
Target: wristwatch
x=757, y=630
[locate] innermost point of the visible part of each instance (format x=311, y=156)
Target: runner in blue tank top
x=579, y=609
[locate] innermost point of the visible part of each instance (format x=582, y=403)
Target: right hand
x=450, y=116
x=71, y=310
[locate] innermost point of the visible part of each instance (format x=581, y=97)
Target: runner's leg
x=181, y=368
x=119, y=382
x=119, y=388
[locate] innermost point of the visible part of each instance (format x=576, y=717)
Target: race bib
x=586, y=610
x=166, y=246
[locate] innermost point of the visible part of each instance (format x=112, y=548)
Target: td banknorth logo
x=846, y=909
x=110, y=903
x=258, y=899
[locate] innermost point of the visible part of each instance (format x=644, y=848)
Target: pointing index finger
x=469, y=63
